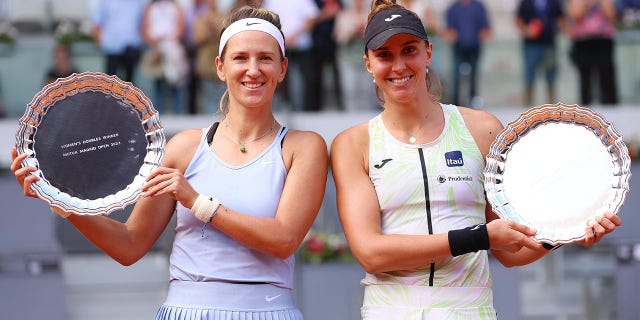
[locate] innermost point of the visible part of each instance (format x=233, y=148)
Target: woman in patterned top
x=410, y=188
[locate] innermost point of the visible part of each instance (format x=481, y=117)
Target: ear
x=219, y=69
x=367, y=63
x=429, y=53
x=283, y=69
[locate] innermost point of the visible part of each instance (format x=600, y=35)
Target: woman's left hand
x=600, y=227
x=170, y=181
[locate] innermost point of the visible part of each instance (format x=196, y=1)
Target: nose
x=254, y=68
x=398, y=64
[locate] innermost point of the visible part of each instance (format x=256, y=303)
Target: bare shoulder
x=181, y=148
x=353, y=138
x=350, y=148
x=306, y=148
x=304, y=140
x=484, y=127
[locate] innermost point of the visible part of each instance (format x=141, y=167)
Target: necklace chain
x=243, y=144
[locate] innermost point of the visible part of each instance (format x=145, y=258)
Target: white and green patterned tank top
x=430, y=189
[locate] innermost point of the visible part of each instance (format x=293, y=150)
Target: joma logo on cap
x=392, y=17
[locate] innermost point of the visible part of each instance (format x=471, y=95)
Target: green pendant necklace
x=243, y=144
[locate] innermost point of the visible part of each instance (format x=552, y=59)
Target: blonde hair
x=239, y=14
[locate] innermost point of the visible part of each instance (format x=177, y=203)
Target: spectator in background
x=538, y=22
x=191, y=13
x=628, y=13
x=117, y=31
x=628, y=4
x=349, y=33
x=467, y=28
x=62, y=66
x=324, y=53
x=206, y=36
x=298, y=19
x=592, y=29
x=426, y=14
x=163, y=29
x=252, y=3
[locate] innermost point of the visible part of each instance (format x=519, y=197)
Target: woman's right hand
x=163, y=180
x=510, y=236
x=23, y=174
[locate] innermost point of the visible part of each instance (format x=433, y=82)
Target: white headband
x=251, y=24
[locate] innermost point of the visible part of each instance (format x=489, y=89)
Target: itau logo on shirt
x=454, y=158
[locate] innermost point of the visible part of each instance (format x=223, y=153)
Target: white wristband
x=205, y=207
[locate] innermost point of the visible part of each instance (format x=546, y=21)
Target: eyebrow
x=260, y=52
x=402, y=45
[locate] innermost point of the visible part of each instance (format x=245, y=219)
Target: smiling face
x=252, y=68
x=399, y=67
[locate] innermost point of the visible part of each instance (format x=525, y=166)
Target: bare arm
x=306, y=156
x=359, y=213
x=146, y=36
x=609, y=9
x=577, y=9
x=129, y=241
x=181, y=24
x=485, y=34
x=432, y=23
x=96, y=31
x=522, y=27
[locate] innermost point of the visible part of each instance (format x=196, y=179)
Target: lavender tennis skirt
x=188, y=300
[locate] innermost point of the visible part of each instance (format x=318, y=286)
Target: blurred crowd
x=175, y=45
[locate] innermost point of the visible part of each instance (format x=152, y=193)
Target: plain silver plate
x=555, y=168
x=123, y=96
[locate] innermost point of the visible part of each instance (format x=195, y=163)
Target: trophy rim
x=124, y=92
x=537, y=117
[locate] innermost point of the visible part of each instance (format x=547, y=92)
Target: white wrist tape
x=205, y=207
x=61, y=213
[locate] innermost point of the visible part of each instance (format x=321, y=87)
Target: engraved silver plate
x=94, y=139
x=555, y=168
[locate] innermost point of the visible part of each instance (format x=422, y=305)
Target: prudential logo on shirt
x=454, y=159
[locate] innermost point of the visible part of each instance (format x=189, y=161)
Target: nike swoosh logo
x=269, y=299
x=476, y=227
x=393, y=17
x=252, y=23
x=379, y=166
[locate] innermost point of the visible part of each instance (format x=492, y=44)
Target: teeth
x=401, y=80
x=252, y=85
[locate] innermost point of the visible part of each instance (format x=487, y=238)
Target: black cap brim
x=378, y=40
x=388, y=23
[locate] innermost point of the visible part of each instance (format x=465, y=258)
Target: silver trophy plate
x=555, y=168
x=94, y=139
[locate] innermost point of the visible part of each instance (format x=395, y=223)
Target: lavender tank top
x=253, y=188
